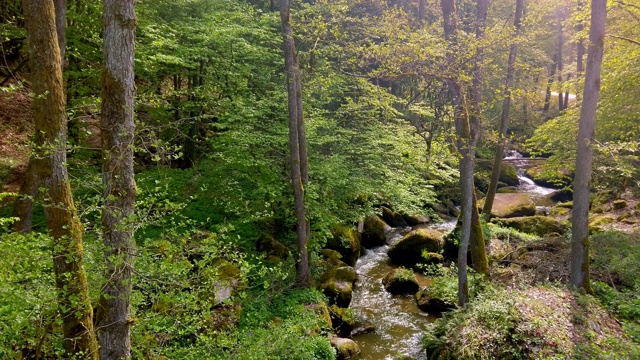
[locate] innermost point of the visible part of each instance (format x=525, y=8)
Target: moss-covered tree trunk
x=579, y=277
x=118, y=90
x=504, y=117
x=24, y=206
x=297, y=151
x=50, y=142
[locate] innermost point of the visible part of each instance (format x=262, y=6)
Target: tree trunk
x=584, y=157
x=118, y=91
x=552, y=74
x=579, y=49
x=560, y=64
x=504, y=118
x=295, y=116
x=50, y=141
x=422, y=8
x=25, y=204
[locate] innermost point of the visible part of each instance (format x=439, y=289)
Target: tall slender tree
x=504, y=117
x=297, y=143
x=584, y=156
x=118, y=90
x=51, y=172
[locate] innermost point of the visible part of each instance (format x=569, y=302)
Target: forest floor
x=16, y=126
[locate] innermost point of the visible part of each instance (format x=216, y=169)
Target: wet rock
x=342, y=320
x=414, y=220
x=331, y=254
x=345, y=241
x=373, y=233
x=393, y=219
x=337, y=282
x=509, y=175
x=345, y=348
x=511, y=205
x=538, y=225
x=401, y=282
x=269, y=245
x=432, y=305
x=429, y=258
x=619, y=204
x=362, y=328
x=408, y=251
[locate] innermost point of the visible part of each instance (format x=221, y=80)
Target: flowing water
x=398, y=321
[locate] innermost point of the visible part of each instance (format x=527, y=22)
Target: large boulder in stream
x=408, y=251
x=345, y=241
x=373, y=233
x=345, y=348
x=538, y=225
x=337, y=282
x=414, y=220
x=401, y=282
x=509, y=205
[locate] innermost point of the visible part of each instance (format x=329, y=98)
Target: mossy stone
x=408, y=251
x=538, y=225
x=400, y=282
x=345, y=241
x=511, y=205
x=373, y=233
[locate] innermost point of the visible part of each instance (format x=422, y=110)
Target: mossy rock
x=401, y=282
x=562, y=195
x=342, y=320
x=346, y=241
x=482, y=176
x=373, y=233
x=507, y=190
x=345, y=348
x=619, y=204
x=538, y=225
x=558, y=211
x=392, y=218
x=566, y=204
x=228, y=281
x=321, y=310
x=556, y=180
x=337, y=282
x=509, y=175
x=408, y=251
x=597, y=222
x=269, y=245
x=331, y=254
x=624, y=216
x=432, y=305
x=511, y=205
x=414, y=220
x=430, y=258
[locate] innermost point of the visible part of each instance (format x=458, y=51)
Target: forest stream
x=398, y=322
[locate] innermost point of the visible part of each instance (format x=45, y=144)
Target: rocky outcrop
x=408, y=251
x=345, y=241
x=511, y=205
x=400, y=282
x=373, y=233
x=538, y=225
x=273, y=248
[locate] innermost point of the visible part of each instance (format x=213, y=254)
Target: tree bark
x=23, y=208
x=552, y=74
x=504, y=117
x=584, y=157
x=50, y=140
x=560, y=63
x=298, y=177
x=118, y=91
x=422, y=9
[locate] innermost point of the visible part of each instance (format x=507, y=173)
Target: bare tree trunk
x=552, y=74
x=580, y=277
x=23, y=209
x=579, y=49
x=422, y=8
x=504, y=118
x=50, y=140
x=118, y=91
x=463, y=130
x=560, y=63
x=295, y=115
